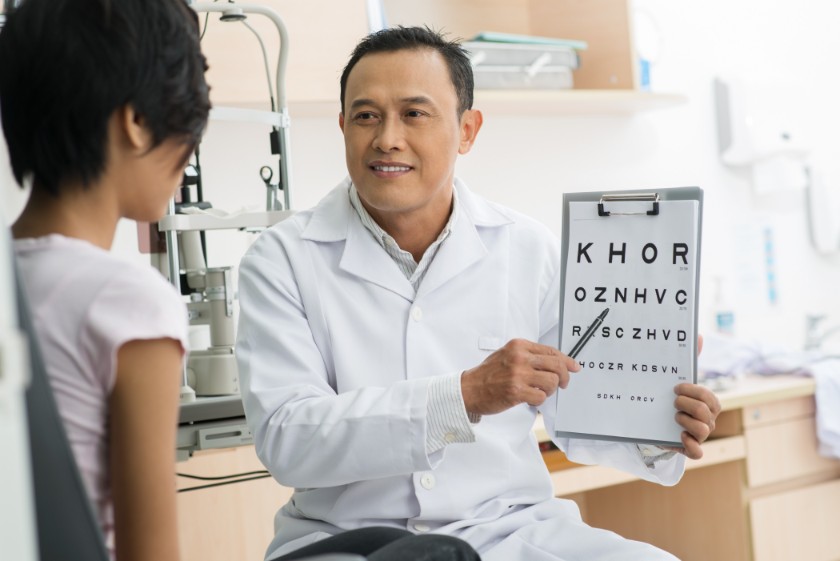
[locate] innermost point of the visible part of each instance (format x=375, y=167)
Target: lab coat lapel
x=334, y=220
x=464, y=246
x=461, y=249
x=365, y=258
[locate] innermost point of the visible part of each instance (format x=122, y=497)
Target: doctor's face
x=402, y=134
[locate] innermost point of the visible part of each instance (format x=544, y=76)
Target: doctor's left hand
x=697, y=411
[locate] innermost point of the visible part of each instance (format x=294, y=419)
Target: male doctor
x=397, y=341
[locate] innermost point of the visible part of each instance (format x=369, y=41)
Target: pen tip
x=604, y=313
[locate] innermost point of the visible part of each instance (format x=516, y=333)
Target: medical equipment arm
x=281, y=131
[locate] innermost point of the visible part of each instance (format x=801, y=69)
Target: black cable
x=221, y=477
x=199, y=193
x=206, y=15
x=223, y=483
x=199, y=186
x=265, y=63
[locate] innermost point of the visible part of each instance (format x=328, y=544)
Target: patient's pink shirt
x=86, y=303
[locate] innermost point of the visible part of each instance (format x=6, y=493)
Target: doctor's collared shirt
x=446, y=414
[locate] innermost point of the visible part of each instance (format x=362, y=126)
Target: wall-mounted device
x=757, y=121
x=823, y=204
x=760, y=130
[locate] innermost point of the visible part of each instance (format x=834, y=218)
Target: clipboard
x=630, y=270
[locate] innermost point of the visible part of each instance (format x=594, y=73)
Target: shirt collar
x=330, y=219
x=384, y=238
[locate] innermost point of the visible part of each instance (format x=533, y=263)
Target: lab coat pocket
x=489, y=343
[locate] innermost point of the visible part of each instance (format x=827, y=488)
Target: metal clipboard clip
x=652, y=197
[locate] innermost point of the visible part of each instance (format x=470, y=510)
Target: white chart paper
x=644, y=269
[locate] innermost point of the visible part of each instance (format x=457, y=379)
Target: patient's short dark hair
x=409, y=38
x=67, y=65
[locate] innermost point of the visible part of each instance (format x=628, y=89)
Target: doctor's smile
x=387, y=170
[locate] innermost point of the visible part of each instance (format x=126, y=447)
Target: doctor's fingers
x=699, y=393
x=544, y=351
x=695, y=427
x=546, y=382
x=557, y=365
x=696, y=409
x=511, y=389
x=532, y=348
x=536, y=395
x=691, y=448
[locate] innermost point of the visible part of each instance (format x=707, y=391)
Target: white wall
x=527, y=163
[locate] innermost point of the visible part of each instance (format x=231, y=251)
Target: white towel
x=826, y=373
x=729, y=359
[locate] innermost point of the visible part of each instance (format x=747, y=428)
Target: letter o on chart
x=645, y=252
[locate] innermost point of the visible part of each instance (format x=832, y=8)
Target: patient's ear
x=132, y=128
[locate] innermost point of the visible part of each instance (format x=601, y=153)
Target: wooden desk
x=761, y=491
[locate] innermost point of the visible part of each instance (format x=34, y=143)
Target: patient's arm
x=144, y=417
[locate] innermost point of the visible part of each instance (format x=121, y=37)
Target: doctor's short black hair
x=67, y=65
x=410, y=38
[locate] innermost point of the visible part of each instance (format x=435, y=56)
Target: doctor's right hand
x=520, y=372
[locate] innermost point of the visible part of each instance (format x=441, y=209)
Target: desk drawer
x=800, y=524
x=781, y=451
x=777, y=411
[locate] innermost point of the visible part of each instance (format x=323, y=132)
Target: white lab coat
x=336, y=353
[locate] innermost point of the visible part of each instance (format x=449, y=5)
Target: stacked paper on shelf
x=504, y=61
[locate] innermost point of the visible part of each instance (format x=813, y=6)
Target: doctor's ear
x=471, y=122
x=341, y=121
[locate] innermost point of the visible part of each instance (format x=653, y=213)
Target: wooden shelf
x=607, y=79
x=534, y=103
x=573, y=102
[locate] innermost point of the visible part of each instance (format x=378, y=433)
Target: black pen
x=590, y=331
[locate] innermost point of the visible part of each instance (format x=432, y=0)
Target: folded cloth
x=826, y=374
x=725, y=357
x=729, y=358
